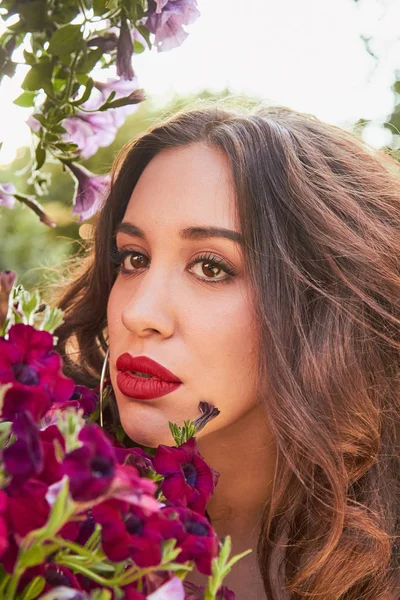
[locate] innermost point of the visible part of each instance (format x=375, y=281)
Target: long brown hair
x=320, y=215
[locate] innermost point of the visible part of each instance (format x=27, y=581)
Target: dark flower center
x=133, y=524
x=190, y=472
x=101, y=467
x=196, y=528
x=25, y=374
x=55, y=577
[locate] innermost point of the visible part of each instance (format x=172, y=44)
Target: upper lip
x=143, y=364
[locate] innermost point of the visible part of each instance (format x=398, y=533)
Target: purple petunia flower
x=91, y=191
x=197, y=539
x=90, y=468
x=124, y=52
x=128, y=532
x=85, y=398
x=24, y=458
x=27, y=507
x=27, y=361
x=6, y=195
x=188, y=480
x=165, y=19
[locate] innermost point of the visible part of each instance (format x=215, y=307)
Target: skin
x=203, y=332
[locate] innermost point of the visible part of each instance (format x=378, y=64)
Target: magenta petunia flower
x=84, y=398
x=24, y=457
x=135, y=457
x=7, y=191
x=188, y=480
x=3, y=523
x=27, y=360
x=197, y=539
x=27, y=507
x=165, y=18
x=128, y=532
x=91, y=467
x=52, y=468
x=91, y=191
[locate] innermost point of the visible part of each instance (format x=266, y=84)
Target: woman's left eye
x=130, y=261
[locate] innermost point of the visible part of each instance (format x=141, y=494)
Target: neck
x=244, y=455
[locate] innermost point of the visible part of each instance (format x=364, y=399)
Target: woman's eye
x=132, y=261
x=210, y=268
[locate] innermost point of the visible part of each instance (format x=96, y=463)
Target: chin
x=150, y=438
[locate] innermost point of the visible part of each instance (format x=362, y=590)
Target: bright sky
x=305, y=54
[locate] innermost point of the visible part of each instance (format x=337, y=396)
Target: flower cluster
x=81, y=514
x=79, y=115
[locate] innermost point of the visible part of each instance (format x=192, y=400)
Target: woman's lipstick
x=161, y=383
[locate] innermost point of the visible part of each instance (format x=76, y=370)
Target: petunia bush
x=66, y=44
x=82, y=515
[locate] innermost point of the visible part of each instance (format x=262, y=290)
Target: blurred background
x=336, y=59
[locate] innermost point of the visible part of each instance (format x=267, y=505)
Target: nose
x=150, y=308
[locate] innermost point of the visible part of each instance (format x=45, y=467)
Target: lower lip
x=143, y=388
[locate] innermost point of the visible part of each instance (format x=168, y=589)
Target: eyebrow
x=189, y=233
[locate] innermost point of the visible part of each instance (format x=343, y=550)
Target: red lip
x=133, y=386
x=143, y=364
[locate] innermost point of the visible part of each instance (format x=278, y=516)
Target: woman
x=286, y=317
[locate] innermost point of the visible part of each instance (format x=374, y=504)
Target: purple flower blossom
x=135, y=457
x=24, y=458
x=90, y=131
x=21, y=398
x=124, y=52
x=27, y=360
x=27, y=507
x=165, y=18
x=6, y=195
x=188, y=480
x=122, y=89
x=91, y=191
x=90, y=468
x=197, y=539
x=84, y=398
x=208, y=412
x=127, y=532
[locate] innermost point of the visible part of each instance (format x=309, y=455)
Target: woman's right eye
x=131, y=261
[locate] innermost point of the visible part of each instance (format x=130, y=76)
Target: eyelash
x=118, y=257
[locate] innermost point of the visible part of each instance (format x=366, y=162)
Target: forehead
x=187, y=185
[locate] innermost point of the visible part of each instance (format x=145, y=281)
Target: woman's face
x=192, y=318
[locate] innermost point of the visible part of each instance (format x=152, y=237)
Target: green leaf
x=86, y=93
x=33, y=589
x=38, y=77
x=40, y=155
x=26, y=99
x=146, y=34
x=99, y=7
x=34, y=14
x=32, y=556
x=138, y=48
x=87, y=63
x=29, y=58
x=41, y=118
x=66, y=40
